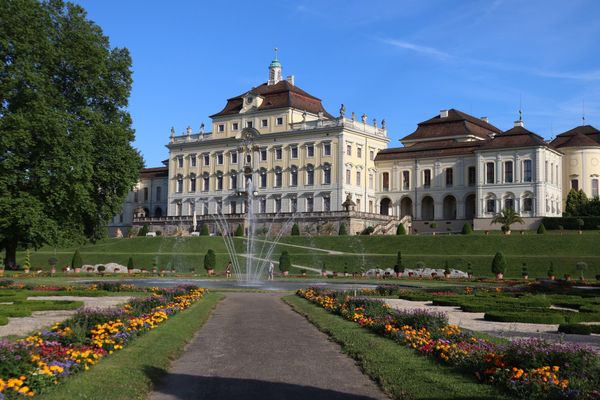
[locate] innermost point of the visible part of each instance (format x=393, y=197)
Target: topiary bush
x=143, y=231
x=130, y=264
x=285, y=262
x=400, y=230
x=399, y=267
x=239, y=231
x=367, y=231
x=541, y=229
x=524, y=316
x=466, y=229
x=210, y=260
x=342, y=230
x=577, y=329
x=204, y=230
x=76, y=261
x=499, y=263
x=295, y=230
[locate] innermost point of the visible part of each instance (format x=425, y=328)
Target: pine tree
x=239, y=231
x=295, y=230
x=204, y=230
x=541, y=229
x=130, y=264
x=210, y=260
x=499, y=263
x=466, y=229
x=284, y=261
x=401, y=230
x=76, y=261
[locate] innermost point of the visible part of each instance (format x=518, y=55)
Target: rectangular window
x=263, y=154
x=358, y=180
x=219, y=182
x=249, y=124
x=370, y=206
x=205, y=183
x=594, y=188
x=262, y=205
x=278, y=153
x=326, y=149
x=551, y=172
x=221, y=127
x=327, y=175
x=235, y=126
x=371, y=155
x=490, y=205
x=489, y=171
x=348, y=177
x=385, y=181
x=233, y=207
x=278, y=204
x=294, y=177
x=508, y=172
x=310, y=176
x=205, y=208
x=509, y=204
x=349, y=149
x=326, y=203
x=263, y=180
x=310, y=150
x=178, y=209
x=193, y=183
x=121, y=218
x=427, y=178
x=359, y=152
x=264, y=123
x=527, y=175
x=310, y=204
x=449, y=176
x=234, y=158
x=233, y=179
x=145, y=194
x=472, y=176
x=371, y=184
x=279, y=120
x=158, y=193
x=358, y=204
x=180, y=162
x=293, y=204
x=575, y=184
x=278, y=178
x=220, y=158
x=294, y=151
x=527, y=204
x=546, y=172
x=193, y=161
x=406, y=180
x=206, y=159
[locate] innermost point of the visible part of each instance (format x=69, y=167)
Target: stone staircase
x=389, y=227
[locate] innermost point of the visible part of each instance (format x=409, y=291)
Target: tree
x=541, y=229
x=507, y=217
x=466, y=229
x=144, y=231
x=130, y=264
x=342, y=231
x=499, y=264
x=399, y=267
x=210, y=260
x=295, y=230
x=76, y=261
x=401, y=230
x=576, y=203
x=65, y=135
x=581, y=267
x=204, y=230
x=239, y=231
x=447, y=270
x=284, y=261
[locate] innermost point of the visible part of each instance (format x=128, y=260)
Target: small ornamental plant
x=466, y=229
x=499, y=265
x=284, y=262
x=541, y=229
x=551, y=274
x=210, y=261
x=524, y=271
x=342, y=230
x=130, y=265
x=76, y=261
x=401, y=230
x=581, y=267
x=204, y=230
x=27, y=261
x=399, y=267
x=144, y=230
x=239, y=231
x=447, y=271
x=295, y=230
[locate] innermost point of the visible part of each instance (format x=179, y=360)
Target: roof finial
x=276, y=50
x=520, y=108
x=583, y=112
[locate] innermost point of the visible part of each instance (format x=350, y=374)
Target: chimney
x=444, y=114
x=485, y=119
x=519, y=123
x=291, y=79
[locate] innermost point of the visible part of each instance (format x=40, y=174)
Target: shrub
x=421, y=318
x=499, y=263
x=555, y=223
x=466, y=229
x=524, y=271
x=130, y=264
x=400, y=230
x=76, y=261
x=551, y=269
x=398, y=268
x=541, y=229
x=342, y=230
x=524, y=316
x=101, y=269
x=284, y=261
x=204, y=230
x=578, y=329
x=295, y=230
x=239, y=231
x=143, y=231
x=420, y=265
x=581, y=267
x=210, y=260
x=446, y=268
x=368, y=230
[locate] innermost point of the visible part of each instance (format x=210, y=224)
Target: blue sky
x=399, y=60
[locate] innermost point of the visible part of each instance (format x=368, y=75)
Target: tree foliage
x=467, y=229
x=204, y=230
x=400, y=230
x=210, y=260
x=66, y=160
x=239, y=231
x=507, y=217
x=144, y=230
x=76, y=261
x=284, y=261
x=130, y=265
x=499, y=263
x=399, y=267
x=342, y=230
x=541, y=229
x=295, y=230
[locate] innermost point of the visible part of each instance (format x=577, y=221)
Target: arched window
x=233, y=179
x=192, y=182
x=294, y=176
x=310, y=174
x=327, y=174
x=278, y=177
x=219, y=185
x=263, y=178
x=179, y=188
x=205, y=182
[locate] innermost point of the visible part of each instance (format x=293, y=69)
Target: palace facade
x=277, y=144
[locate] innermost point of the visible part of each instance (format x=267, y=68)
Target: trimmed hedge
x=537, y=318
x=553, y=223
x=578, y=329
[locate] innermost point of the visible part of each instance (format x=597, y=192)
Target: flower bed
x=532, y=368
x=31, y=365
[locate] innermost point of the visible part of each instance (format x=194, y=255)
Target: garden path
x=41, y=319
x=509, y=330
x=255, y=347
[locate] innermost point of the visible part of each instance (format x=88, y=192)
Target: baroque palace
x=279, y=145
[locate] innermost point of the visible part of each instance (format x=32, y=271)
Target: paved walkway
x=255, y=347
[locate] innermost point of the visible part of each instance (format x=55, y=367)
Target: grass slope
x=400, y=371
x=129, y=373
x=537, y=251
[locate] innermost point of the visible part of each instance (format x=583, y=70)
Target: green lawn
x=130, y=373
x=185, y=254
x=400, y=371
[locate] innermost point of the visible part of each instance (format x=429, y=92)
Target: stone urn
x=500, y=276
x=53, y=270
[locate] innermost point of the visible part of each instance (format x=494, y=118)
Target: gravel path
x=510, y=330
x=255, y=347
x=41, y=319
